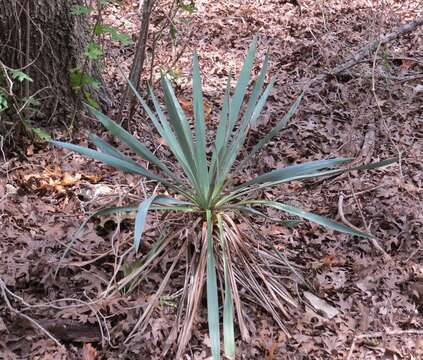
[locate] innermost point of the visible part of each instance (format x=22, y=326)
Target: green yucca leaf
x=257, y=89
x=228, y=317
x=262, y=101
x=180, y=125
x=103, y=212
x=164, y=200
x=254, y=107
x=242, y=133
x=174, y=208
x=116, y=162
x=275, y=130
x=108, y=149
x=140, y=220
x=228, y=117
x=223, y=161
x=375, y=165
x=242, y=85
x=171, y=139
x=139, y=148
x=252, y=211
x=220, y=145
x=179, y=122
x=310, y=216
x=310, y=174
x=223, y=121
x=294, y=171
x=163, y=203
x=251, y=107
x=147, y=108
x=200, y=131
x=164, y=129
x=212, y=298
x=244, y=190
x=228, y=307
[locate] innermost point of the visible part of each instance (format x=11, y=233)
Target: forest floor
x=372, y=111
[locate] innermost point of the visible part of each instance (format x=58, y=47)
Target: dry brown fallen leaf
x=187, y=107
x=89, y=352
x=69, y=179
x=407, y=64
x=30, y=150
x=321, y=305
x=56, y=180
x=419, y=346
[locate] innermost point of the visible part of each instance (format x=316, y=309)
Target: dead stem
x=143, y=320
x=5, y=290
x=194, y=295
x=135, y=274
x=381, y=334
x=234, y=287
x=189, y=266
x=249, y=272
x=346, y=222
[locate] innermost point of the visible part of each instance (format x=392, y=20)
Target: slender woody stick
x=139, y=58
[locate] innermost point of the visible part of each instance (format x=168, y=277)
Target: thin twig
x=158, y=34
x=381, y=334
x=414, y=253
x=346, y=222
x=177, y=57
x=4, y=289
x=138, y=62
x=142, y=321
x=367, y=51
x=364, y=191
x=388, y=133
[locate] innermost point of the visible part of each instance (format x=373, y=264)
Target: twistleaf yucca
x=228, y=257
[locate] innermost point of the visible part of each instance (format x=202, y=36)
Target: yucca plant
x=215, y=248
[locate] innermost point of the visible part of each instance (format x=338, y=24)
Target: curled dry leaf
x=89, y=352
x=187, y=107
x=55, y=179
x=321, y=305
x=30, y=150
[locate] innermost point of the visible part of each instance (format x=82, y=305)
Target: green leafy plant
x=189, y=7
x=82, y=83
x=20, y=75
x=214, y=244
x=3, y=101
x=23, y=107
x=8, y=77
x=94, y=51
x=100, y=28
x=81, y=10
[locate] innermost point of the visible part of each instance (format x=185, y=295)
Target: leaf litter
x=363, y=307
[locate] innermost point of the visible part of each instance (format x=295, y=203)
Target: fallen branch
x=69, y=330
x=369, y=50
x=381, y=334
x=139, y=57
x=4, y=290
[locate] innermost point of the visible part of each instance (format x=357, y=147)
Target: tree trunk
x=45, y=41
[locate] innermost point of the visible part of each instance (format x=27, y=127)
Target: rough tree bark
x=44, y=40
